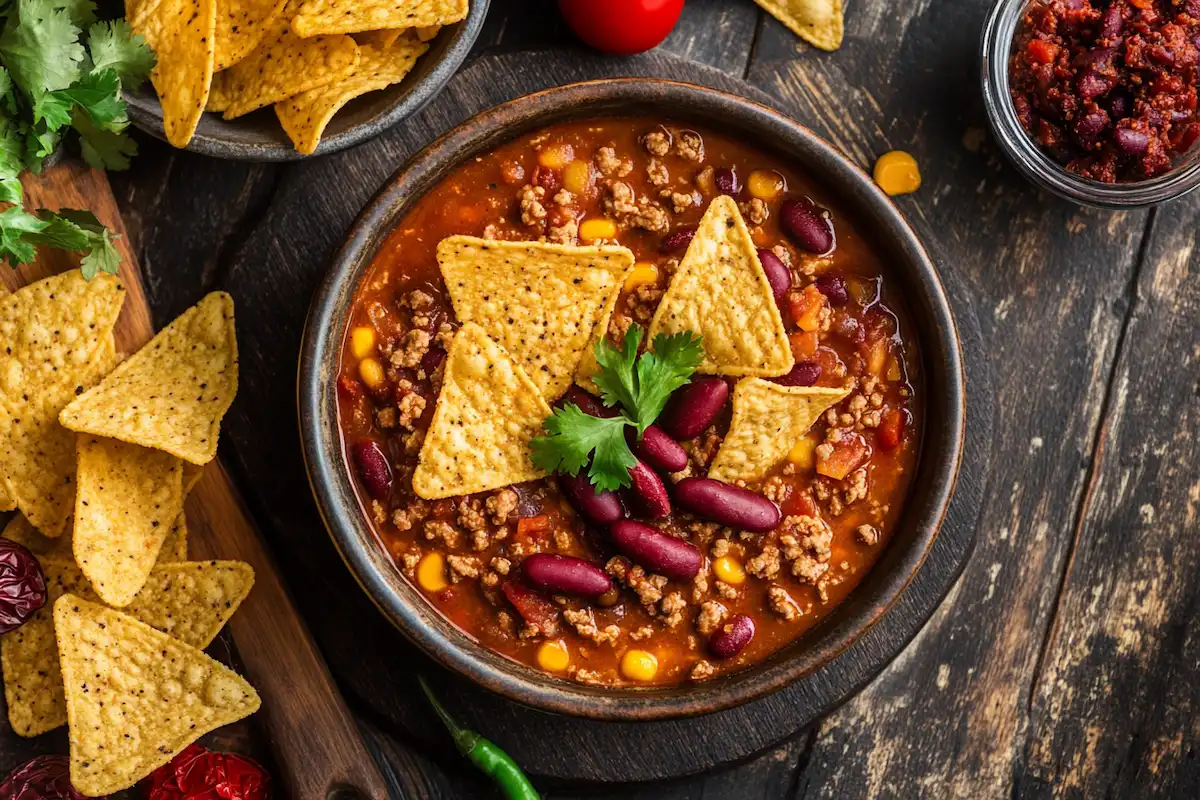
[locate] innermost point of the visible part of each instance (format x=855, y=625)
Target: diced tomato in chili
x=533, y=608
x=846, y=456
x=350, y=388
x=1042, y=52
x=804, y=344
x=799, y=504
x=529, y=527
x=891, y=429
x=806, y=307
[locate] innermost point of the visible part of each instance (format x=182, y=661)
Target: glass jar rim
x=1037, y=165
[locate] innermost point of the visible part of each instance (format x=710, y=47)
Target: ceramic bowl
x=857, y=195
x=258, y=136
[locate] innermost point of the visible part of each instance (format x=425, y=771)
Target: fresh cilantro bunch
x=639, y=386
x=61, y=69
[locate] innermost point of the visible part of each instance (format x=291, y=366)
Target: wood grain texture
x=315, y=737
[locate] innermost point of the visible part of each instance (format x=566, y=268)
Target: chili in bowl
x=1096, y=100
x=624, y=401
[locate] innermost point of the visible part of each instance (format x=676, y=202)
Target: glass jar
x=1037, y=165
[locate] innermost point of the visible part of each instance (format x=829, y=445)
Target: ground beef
x=766, y=564
x=463, y=567
x=704, y=447
x=672, y=609
x=532, y=211
x=644, y=302
x=657, y=142
x=411, y=407
x=386, y=418
x=782, y=603
x=414, y=348
x=622, y=205
x=405, y=518
x=657, y=174
x=805, y=543
x=755, y=211
x=589, y=676
x=584, y=623
x=689, y=145
x=711, y=615
x=564, y=228
x=682, y=201
x=702, y=670
x=501, y=505
x=610, y=165
x=440, y=529
x=867, y=534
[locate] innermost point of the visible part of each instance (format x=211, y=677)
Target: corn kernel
x=556, y=156
x=765, y=184
x=553, y=656
x=599, y=228
x=640, y=275
x=639, y=665
x=897, y=173
x=729, y=570
x=362, y=341
x=802, y=452
x=577, y=177
x=371, y=372
x=431, y=572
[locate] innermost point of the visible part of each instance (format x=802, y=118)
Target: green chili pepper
x=490, y=759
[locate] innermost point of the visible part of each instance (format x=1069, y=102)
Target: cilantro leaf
x=81, y=12
x=114, y=45
x=98, y=93
x=106, y=147
x=616, y=378
x=40, y=46
x=39, y=143
x=572, y=436
x=102, y=258
x=15, y=226
x=662, y=370
x=52, y=109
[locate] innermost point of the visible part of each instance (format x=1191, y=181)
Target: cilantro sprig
x=639, y=386
x=62, y=70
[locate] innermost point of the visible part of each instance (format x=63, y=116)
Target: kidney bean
x=432, y=359
x=677, y=241
x=547, y=179
x=727, y=504
x=732, y=637
x=804, y=373
x=649, y=490
x=727, y=181
x=778, y=275
x=1131, y=142
x=1088, y=129
x=373, y=468
x=693, y=407
x=833, y=286
x=657, y=449
x=657, y=551
x=602, y=508
x=587, y=402
x=807, y=224
x=1120, y=103
x=1114, y=22
x=565, y=575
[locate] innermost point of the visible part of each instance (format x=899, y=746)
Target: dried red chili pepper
x=201, y=774
x=41, y=778
x=22, y=585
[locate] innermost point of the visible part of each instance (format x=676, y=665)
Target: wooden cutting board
x=315, y=740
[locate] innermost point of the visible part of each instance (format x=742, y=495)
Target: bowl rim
x=146, y=113
x=417, y=619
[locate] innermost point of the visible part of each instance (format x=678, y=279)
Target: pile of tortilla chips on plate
x=98, y=455
x=307, y=58
x=821, y=23
x=532, y=313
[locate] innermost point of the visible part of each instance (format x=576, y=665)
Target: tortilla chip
x=191, y=476
x=6, y=501
x=191, y=601
x=241, y=26
x=136, y=696
x=284, y=65
x=721, y=292
x=174, y=547
x=181, y=34
x=768, y=420
x=821, y=23
x=304, y=117
x=127, y=501
x=486, y=414
x=55, y=341
x=62, y=548
x=172, y=394
x=351, y=16
x=540, y=301
x=588, y=365
x=427, y=33
x=218, y=95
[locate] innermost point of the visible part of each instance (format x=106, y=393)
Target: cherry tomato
x=621, y=27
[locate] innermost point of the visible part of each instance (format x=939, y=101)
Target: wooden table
x=1065, y=660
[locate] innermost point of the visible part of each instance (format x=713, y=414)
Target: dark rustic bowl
x=258, y=137
x=857, y=194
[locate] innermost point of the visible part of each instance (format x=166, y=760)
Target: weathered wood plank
x=1116, y=707
x=1051, y=283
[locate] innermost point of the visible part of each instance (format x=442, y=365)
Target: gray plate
x=258, y=137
